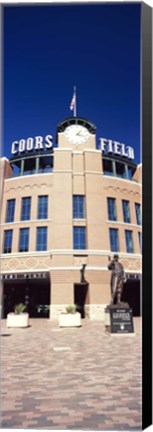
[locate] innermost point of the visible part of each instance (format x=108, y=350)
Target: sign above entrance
x=31, y=144
x=116, y=148
x=24, y=276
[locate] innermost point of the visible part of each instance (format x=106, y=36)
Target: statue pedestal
x=107, y=319
x=119, y=319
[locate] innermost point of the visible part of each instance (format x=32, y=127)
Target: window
x=129, y=241
x=131, y=171
x=140, y=241
x=79, y=237
x=114, y=242
x=10, y=210
x=120, y=170
x=26, y=208
x=111, y=203
x=45, y=164
x=107, y=167
x=29, y=166
x=16, y=169
x=78, y=206
x=41, y=239
x=126, y=211
x=8, y=236
x=43, y=207
x=138, y=213
x=24, y=240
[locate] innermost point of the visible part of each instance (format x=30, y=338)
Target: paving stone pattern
x=72, y=378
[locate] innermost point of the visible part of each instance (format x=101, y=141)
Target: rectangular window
x=114, y=242
x=8, y=236
x=120, y=170
x=29, y=166
x=79, y=237
x=78, y=207
x=131, y=172
x=43, y=207
x=140, y=241
x=138, y=213
x=126, y=211
x=26, y=208
x=24, y=240
x=111, y=203
x=41, y=239
x=129, y=241
x=45, y=164
x=10, y=210
x=107, y=167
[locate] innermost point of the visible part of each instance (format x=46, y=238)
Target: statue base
x=119, y=319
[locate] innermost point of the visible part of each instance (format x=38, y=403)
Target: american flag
x=72, y=104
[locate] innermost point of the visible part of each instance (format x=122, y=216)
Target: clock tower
x=76, y=133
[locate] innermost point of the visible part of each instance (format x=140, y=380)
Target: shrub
x=20, y=308
x=71, y=309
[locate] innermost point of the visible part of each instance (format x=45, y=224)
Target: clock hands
x=79, y=133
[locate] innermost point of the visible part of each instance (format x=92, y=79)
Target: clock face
x=76, y=134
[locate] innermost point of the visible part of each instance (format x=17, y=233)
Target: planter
x=18, y=320
x=70, y=320
x=107, y=318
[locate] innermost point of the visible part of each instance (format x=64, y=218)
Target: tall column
x=114, y=168
x=126, y=171
x=22, y=167
x=37, y=165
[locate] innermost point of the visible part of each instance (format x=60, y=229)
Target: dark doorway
x=131, y=294
x=35, y=294
x=80, y=297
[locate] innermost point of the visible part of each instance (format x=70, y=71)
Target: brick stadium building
x=63, y=207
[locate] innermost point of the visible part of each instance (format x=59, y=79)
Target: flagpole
x=75, y=107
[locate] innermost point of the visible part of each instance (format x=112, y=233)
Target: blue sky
x=50, y=48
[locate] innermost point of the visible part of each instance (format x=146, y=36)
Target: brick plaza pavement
x=76, y=378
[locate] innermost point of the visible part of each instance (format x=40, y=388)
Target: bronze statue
x=82, y=271
x=118, y=277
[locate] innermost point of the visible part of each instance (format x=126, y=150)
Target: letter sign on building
x=36, y=143
x=116, y=148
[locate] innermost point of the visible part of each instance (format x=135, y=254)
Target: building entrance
x=81, y=297
x=131, y=295
x=34, y=292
